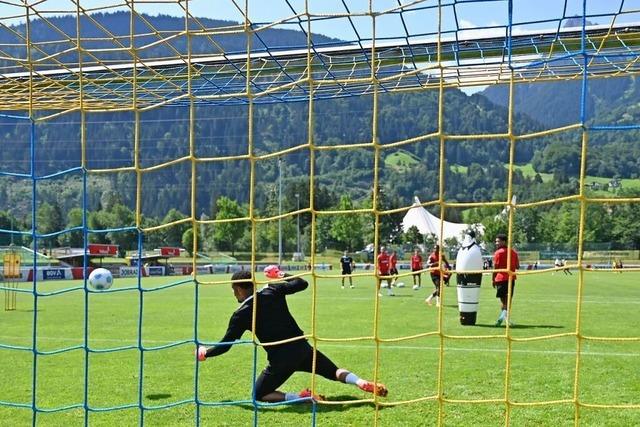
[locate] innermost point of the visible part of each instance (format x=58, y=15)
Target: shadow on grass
x=337, y=404
x=518, y=326
x=158, y=396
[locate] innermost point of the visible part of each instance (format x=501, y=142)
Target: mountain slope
x=610, y=103
x=556, y=104
x=106, y=36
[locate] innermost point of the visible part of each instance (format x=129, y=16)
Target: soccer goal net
x=237, y=130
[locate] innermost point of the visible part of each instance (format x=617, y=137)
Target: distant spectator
x=346, y=262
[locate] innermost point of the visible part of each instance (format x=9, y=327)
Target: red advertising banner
x=102, y=249
x=169, y=251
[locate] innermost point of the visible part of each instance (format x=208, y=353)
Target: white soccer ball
x=416, y=287
x=101, y=279
x=400, y=285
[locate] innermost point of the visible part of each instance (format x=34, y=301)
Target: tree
x=9, y=222
x=451, y=243
x=99, y=220
x=226, y=234
x=324, y=239
x=537, y=178
x=347, y=229
x=187, y=240
x=527, y=224
x=151, y=239
x=109, y=199
x=173, y=235
x=623, y=223
x=74, y=239
x=413, y=236
x=49, y=220
x=567, y=221
x=559, y=158
x=268, y=231
x=493, y=227
x=390, y=226
x=121, y=216
x=430, y=240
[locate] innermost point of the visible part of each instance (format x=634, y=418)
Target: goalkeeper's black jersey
x=274, y=322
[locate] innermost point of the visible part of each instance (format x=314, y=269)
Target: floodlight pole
x=10, y=200
x=298, y=226
x=9, y=211
x=201, y=240
x=11, y=222
x=279, y=211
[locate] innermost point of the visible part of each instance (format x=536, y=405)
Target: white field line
x=455, y=301
x=384, y=347
x=536, y=300
x=452, y=299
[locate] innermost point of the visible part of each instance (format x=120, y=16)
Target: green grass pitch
x=472, y=365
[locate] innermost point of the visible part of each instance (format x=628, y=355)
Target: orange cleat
x=377, y=389
x=306, y=393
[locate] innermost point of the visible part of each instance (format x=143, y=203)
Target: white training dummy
x=469, y=258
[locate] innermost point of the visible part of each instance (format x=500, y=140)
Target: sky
x=528, y=15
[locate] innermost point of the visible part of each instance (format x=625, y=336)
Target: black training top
x=345, y=262
x=274, y=322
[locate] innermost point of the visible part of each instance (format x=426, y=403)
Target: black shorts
x=502, y=289
x=436, y=280
x=393, y=271
x=346, y=271
x=275, y=374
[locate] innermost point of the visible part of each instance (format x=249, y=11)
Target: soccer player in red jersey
x=383, y=265
x=393, y=268
x=434, y=265
x=416, y=266
x=504, y=281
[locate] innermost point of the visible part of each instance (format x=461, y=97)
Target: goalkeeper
x=275, y=323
